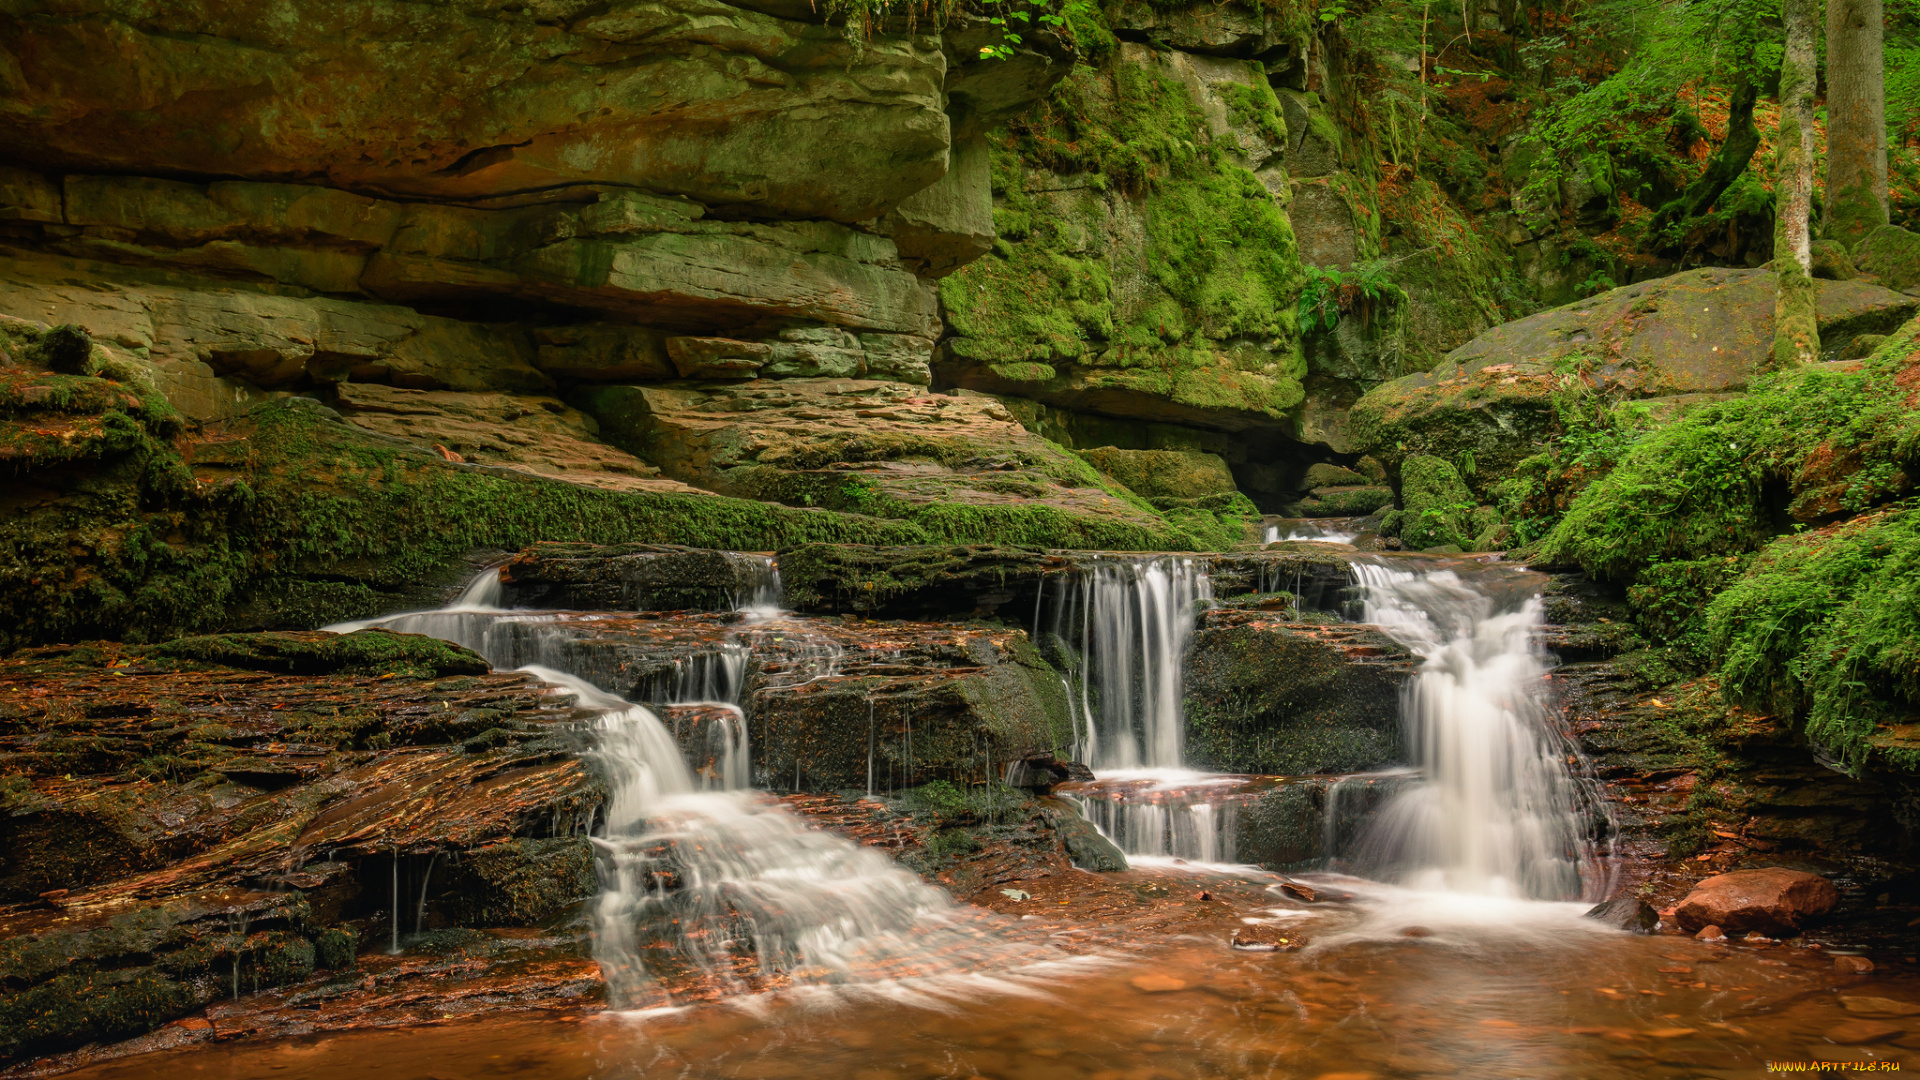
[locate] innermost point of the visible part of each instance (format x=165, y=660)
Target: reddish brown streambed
x=1398, y=985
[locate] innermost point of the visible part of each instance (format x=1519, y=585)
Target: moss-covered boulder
x=917, y=581
x=1110, y=290
x=1492, y=401
x=959, y=468
x=1892, y=255
x=1437, y=504
x=632, y=577
x=1164, y=474
x=521, y=882
x=1344, y=501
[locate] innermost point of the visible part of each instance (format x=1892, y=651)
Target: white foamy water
x=1495, y=810
x=1135, y=618
x=726, y=882
x=1271, y=535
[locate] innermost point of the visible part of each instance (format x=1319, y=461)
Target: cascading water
x=1133, y=620
x=1495, y=808
x=1306, y=531
x=722, y=881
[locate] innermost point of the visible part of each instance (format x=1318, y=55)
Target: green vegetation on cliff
x=1121, y=164
x=1708, y=517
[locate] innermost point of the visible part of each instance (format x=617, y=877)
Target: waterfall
x=1134, y=620
x=1495, y=809
x=723, y=882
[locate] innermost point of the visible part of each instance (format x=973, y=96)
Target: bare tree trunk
x=1796, y=332
x=1856, y=119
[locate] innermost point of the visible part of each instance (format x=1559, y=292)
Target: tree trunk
x=1796, y=333
x=1856, y=120
x=1728, y=162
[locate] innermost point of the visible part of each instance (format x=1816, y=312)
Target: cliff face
x=249, y=190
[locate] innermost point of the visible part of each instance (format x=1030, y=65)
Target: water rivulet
x=707, y=877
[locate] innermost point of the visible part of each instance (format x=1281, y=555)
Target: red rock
x=1773, y=900
x=1711, y=933
x=1852, y=965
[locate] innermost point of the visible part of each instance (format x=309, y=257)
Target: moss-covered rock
x=1892, y=255
x=1349, y=501
x=1267, y=695
x=1164, y=474
x=363, y=652
x=1493, y=400
x=1110, y=291
x=1436, y=504
x=522, y=882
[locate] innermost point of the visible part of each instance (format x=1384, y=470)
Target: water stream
x=702, y=874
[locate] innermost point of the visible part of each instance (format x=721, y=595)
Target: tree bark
x=1796, y=332
x=1856, y=119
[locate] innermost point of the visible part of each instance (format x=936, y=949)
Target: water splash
x=1300, y=530
x=1496, y=809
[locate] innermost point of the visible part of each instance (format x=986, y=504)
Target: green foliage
x=1827, y=624
x=1326, y=296
x=1670, y=601
x=1838, y=442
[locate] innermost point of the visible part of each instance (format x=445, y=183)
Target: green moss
x=1214, y=328
x=1436, y=504
x=137, y=547
x=1670, y=600
x=1836, y=442
x=336, y=947
x=69, y=1010
x=1344, y=501
x=1826, y=625
x=523, y=882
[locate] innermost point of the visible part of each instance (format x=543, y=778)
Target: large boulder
x=1773, y=901
x=1702, y=331
x=1892, y=255
x=1115, y=298
x=1266, y=694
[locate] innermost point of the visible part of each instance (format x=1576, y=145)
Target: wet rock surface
x=1269, y=695
x=1771, y=901
x=217, y=816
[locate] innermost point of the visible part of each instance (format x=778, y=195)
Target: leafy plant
x=1006, y=13
x=1329, y=295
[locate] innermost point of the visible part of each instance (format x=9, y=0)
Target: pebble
x=1852, y=965
x=1710, y=933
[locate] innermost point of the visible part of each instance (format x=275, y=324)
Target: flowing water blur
x=1497, y=808
x=713, y=878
